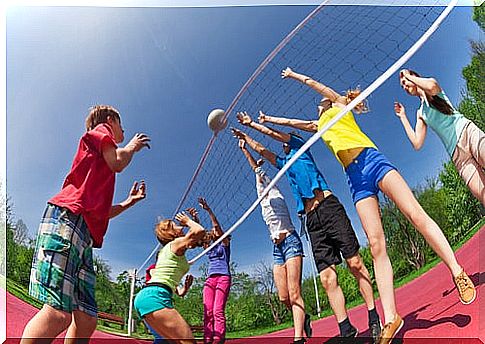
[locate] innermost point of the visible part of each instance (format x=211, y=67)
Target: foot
x=307, y=326
x=466, y=288
x=375, y=331
x=390, y=329
x=299, y=341
x=351, y=333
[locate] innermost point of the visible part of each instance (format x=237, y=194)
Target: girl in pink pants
x=217, y=285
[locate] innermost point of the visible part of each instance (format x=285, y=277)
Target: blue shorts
x=365, y=172
x=290, y=247
x=153, y=298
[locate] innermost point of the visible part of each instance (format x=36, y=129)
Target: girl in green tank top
x=154, y=302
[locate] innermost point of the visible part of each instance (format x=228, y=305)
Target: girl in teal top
x=463, y=140
x=154, y=301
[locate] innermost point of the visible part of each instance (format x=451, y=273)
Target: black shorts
x=331, y=233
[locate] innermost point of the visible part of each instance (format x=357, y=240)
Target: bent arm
x=273, y=133
x=117, y=158
x=429, y=85
x=417, y=136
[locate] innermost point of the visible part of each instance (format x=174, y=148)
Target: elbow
x=434, y=87
x=417, y=145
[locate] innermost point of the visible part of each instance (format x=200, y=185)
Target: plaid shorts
x=62, y=272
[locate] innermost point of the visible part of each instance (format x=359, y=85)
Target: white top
x=273, y=206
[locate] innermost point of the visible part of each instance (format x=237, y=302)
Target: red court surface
x=429, y=306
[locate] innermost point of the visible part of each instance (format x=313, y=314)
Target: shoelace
x=462, y=283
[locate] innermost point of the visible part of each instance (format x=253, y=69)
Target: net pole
x=130, y=310
x=371, y=88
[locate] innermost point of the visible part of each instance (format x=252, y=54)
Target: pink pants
x=216, y=292
x=469, y=159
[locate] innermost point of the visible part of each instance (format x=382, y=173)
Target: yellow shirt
x=343, y=135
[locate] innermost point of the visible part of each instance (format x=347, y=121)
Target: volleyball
x=216, y=121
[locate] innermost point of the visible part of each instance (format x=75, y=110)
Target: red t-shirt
x=148, y=273
x=89, y=187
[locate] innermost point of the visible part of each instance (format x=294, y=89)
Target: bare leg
x=279, y=274
x=368, y=210
x=170, y=324
x=328, y=277
x=81, y=328
x=45, y=325
x=293, y=273
x=361, y=274
x=394, y=186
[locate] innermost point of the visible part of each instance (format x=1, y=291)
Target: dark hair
x=436, y=101
x=99, y=114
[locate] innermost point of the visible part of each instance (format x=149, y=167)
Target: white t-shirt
x=273, y=206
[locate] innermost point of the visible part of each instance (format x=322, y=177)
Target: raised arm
x=118, y=158
x=137, y=193
x=417, y=136
x=194, y=236
x=428, y=85
x=310, y=126
x=255, y=145
x=322, y=89
x=252, y=162
x=215, y=223
x=246, y=120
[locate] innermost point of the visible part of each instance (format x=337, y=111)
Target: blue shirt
x=447, y=127
x=219, y=258
x=303, y=176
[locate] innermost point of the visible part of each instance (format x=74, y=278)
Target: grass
x=22, y=293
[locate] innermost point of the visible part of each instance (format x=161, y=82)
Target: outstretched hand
x=139, y=141
x=262, y=117
x=286, y=73
x=188, y=281
x=238, y=134
x=244, y=118
x=194, y=213
x=399, y=110
x=183, y=219
x=203, y=203
x=242, y=144
x=137, y=193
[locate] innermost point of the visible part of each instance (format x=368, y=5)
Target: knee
x=285, y=300
x=377, y=246
x=355, y=264
x=329, y=280
x=294, y=295
x=55, y=316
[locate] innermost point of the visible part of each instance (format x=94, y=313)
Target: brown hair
x=436, y=101
x=165, y=232
x=354, y=93
x=99, y=114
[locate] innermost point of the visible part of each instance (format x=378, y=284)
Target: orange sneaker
x=466, y=288
x=390, y=329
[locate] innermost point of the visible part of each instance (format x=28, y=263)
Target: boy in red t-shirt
x=74, y=222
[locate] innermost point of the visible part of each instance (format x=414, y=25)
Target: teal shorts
x=153, y=298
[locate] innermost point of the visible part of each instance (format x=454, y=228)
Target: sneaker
x=375, y=331
x=390, y=330
x=466, y=288
x=299, y=341
x=307, y=326
x=351, y=333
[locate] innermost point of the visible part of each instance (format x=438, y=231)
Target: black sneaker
x=299, y=341
x=307, y=326
x=375, y=331
x=351, y=333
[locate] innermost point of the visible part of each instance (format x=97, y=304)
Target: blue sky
x=165, y=69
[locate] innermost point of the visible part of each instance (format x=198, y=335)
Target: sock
x=373, y=316
x=345, y=326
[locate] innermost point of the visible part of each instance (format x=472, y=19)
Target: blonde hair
x=351, y=95
x=99, y=114
x=165, y=232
